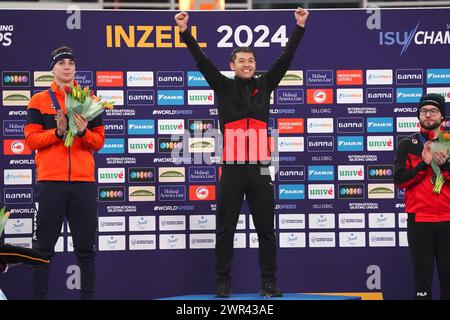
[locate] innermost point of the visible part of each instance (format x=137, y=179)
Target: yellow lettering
x=194, y=34
x=120, y=33
x=108, y=36
x=160, y=36
x=142, y=41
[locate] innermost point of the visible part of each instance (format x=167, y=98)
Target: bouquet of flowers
x=84, y=102
x=3, y=217
x=442, y=145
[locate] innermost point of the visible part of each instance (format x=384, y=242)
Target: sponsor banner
x=408, y=124
x=17, y=195
x=141, y=145
x=170, y=126
x=291, y=221
x=172, y=241
x=352, y=239
x=409, y=77
x=42, y=78
x=438, y=76
x=170, y=97
x=292, y=78
x=196, y=79
x=112, y=146
x=18, y=98
x=114, y=95
x=291, y=144
x=409, y=95
x=142, y=223
x=200, y=97
x=443, y=91
x=84, y=78
x=321, y=221
x=320, y=173
x=202, y=222
x=380, y=172
x=15, y=147
x=319, y=77
x=322, y=239
x=381, y=191
x=15, y=79
x=111, y=194
x=290, y=96
x=290, y=125
x=114, y=127
x=202, y=193
x=140, y=98
x=377, y=77
x=201, y=145
x=167, y=145
x=19, y=226
x=350, y=125
x=379, y=95
x=381, y=220
x=202, y=241
x=382, y=239
x=292, y=240
x=349, y=96
x=140, y=79
x=320, y=144
x=170, y=79
x=111, y=224
x=350, y=173
x=321, y=191
x=172, y=223
x=111, y=243
x=240, y=240
x=202, y=174
x=200, y=125
x=291, y=191
x=142, y=242
x=291, y=173
x=320, y=125
x=349, y=77
x=351, y=191
x=109, y=78
x=141, y=193
x=17, y=176
x=172, y=193
x=319, y=96
x=352, y=220
x=380, y=143
x=141, y=127
x=111, y=175
x=141, y=174
x=172, y=174
x=350, y=143
x=380, y=124
x=402, y=220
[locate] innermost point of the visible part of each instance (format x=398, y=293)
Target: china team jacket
x=55, y=162
x=244, y=103
x=413, y=174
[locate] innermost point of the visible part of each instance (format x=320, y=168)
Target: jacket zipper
x=70, y=163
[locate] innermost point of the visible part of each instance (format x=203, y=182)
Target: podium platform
x=255, y=296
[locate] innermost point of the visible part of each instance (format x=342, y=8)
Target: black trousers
x=237, y=180
x=77, y=202
x=429, y=241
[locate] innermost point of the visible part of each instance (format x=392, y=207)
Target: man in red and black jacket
x=428, y=211
x=65, y=185
x=244, y=113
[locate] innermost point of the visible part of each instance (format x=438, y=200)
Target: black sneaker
x=223, y=289
x=270, y=289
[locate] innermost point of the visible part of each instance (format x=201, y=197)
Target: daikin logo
x=415, y=36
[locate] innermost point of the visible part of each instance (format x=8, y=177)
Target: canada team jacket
x=413, y=174
x=244, y=103
x=55, y=162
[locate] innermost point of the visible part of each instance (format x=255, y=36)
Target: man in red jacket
x=65, y=185
x=244, y=104
x=428, y=212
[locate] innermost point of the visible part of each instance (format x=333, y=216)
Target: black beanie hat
x=434, y=99
x=61, y=53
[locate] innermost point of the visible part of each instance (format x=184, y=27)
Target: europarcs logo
x=417, y=36
x=6, y=33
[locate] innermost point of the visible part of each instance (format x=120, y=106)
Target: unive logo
x=443, y=91
x=321, y=191
x=380, y=124
x=408, y=124
x=200, y=97
x=319, y=77
x=291, y=191
x=141, y=145
x=320, y=173
x=170, y=79
x=140, y=98
x=438, y=76
x=409, y=95
x=196, y=79
x=290, y=96
x=15, y=79
x=141, y=127
x=114, y=127
x=291, y=173
x=350, y=143
x=409, y=76
x=111, y=175
x=380, y=172
x=351, y=191
x=379, y=95
x=351, y=173
x=111, y=194
x=113, y=146
x=170, y=97
x=170, y=126
x=350, y=125
x=141, y=174
x=380, y=143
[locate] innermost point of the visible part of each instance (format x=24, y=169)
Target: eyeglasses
x=433, y=112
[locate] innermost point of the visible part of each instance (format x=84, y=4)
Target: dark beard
x=431, y=127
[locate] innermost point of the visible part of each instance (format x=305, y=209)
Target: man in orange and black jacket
x=428, y=211
x=244, y=114
x=65, y=185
